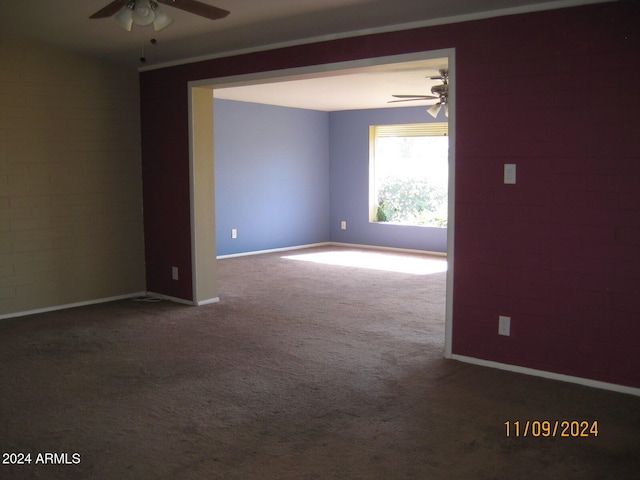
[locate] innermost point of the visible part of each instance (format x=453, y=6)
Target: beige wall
x=70, y=179
x=203, y=203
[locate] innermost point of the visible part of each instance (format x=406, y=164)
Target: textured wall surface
x=558, y=251
x=70, y=179
x=272, y=176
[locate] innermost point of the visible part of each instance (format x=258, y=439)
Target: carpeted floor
x=303, y=371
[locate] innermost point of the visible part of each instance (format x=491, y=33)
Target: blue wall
x=288, y=177
x=272, y=176
x=349, y=152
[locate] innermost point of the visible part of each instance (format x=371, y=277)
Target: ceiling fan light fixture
x=162, y=20
x=434, y=110
x=143, y=13
x=124, y=18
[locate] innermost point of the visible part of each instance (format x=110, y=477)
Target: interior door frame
x=196, y=159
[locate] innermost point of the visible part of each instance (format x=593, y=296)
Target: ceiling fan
x=145, y=12
x=440, y=93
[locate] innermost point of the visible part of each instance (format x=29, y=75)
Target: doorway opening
x=341, y=69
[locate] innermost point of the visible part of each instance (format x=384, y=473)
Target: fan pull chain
x=142, y=56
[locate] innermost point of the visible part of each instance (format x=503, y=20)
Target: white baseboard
x=272, y=250
x=105, y=300
x=549, y=375
x=208, y=301
x=391, y=249
x=170, y=298
x=70, y=305
x=328, y=244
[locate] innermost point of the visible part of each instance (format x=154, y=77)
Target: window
x=409, y=170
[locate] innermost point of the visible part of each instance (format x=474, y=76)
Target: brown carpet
x=302, y=371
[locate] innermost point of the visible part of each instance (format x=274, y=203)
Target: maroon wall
x=555, y=93
x=165, y=186
x=558, y=251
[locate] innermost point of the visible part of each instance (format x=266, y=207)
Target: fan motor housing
x=440, y=90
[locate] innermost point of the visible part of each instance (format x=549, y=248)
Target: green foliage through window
x=409, y=174
x=412, y=201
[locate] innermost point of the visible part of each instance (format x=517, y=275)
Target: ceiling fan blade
x=412, y=100
x=109, y=10
x=416, y=97
x=444, y=73
x=197, y=8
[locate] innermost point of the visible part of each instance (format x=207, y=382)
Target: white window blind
x=412, y=130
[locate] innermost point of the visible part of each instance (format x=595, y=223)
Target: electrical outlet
x=234, y=233
x=343, y=225
x=504, y=326
x=174, y=273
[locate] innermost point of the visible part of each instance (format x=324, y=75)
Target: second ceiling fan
x=440, y=93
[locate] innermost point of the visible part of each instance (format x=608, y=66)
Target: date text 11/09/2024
x=551, y=428
x=40, y=458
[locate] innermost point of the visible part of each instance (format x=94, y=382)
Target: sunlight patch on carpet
x=376, y=261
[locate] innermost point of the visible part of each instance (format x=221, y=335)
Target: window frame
x=426, y=129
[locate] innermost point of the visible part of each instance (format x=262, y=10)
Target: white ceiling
x=351, y=89
x=259, y=25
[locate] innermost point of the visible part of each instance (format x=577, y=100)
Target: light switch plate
x=504, y=326
x=510, y=173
